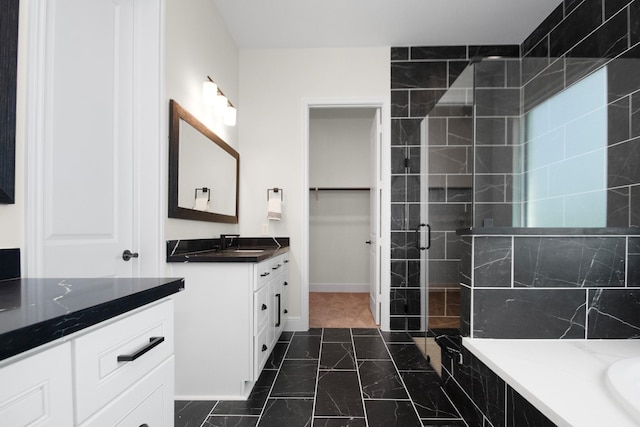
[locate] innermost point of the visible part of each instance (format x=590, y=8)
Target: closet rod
x=339, y=189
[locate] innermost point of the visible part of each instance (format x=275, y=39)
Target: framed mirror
x=204, y=171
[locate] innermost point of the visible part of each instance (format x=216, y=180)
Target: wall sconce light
x=213, y=96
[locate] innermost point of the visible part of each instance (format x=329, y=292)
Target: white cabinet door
x=36, y=391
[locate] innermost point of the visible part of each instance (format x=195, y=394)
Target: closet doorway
x=344, y=216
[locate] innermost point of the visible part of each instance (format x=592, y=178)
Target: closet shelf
x=339, y=189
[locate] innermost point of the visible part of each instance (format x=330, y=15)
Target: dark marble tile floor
x=335, y=378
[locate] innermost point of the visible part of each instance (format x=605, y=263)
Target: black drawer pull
x=286, y=261
x=153, y=342
x=276, y=267
x=286, y=283
x=279, y=316
x=264, y=347
x=265, y=274
x=264, y=307
x=286, y=311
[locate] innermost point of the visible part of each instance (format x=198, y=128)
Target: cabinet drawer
x=149, y=402
x=267, y=270
x=37, y=390
x=262, y=350
x=102, y=371
x=261, y=307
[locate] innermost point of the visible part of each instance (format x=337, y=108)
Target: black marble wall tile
x=449, y=216
x=405, y=301
x=443, y=272
x=623, y=167
x=497, y=102
x=399, y=105
x=623, y=74
x=614, y=313
x=514, y=73
x=608, y=41
x=635, y=115
x=398, y=217
x=398, y=156
x=490, y=188
x=577, y=25
x=577, y=68
x=545, y=27
x=398, y=189
x=422, y=101
x=471, y=414
x=399, y=53
x=544, y=85
x=618, y=207
x=569, y=261
x=413, y=162
x=500, y=213
x=529, y=313
x=522, y=413
x=448, y=160
x=612, y=7
x=459, y=194
x=9, y=263
x=536, y=61
x=439, y=52
x=460, y=131
x=414, y=219
x=508, y=50
x=465, y=311
x=494, y=159
x=618, y=117
x=633, y=274
x=398, y=273
x=437, y=131
x=490, y=74
x=405, y=131
x=570, y=5
x=492, y=262
x=412, y=75
x=454, y=246
x=634, y=216
x=438, y=245
x=465, y=260
x=455, y=69
x=634, y=20
x=491, y=131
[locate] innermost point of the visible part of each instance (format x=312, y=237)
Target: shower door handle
x=422, y=248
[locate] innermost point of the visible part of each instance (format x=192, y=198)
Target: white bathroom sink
x=623, y=380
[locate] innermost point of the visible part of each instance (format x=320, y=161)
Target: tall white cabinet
x=230, y=316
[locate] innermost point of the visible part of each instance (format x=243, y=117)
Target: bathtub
x=572, y=382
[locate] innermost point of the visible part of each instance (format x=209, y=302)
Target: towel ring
x=204, y=190
x=276, y=190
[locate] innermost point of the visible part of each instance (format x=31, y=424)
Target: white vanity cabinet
x=230, y=316
x=118, y=372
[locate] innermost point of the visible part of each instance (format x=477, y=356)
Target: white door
x=87, y=179
x=375, y=228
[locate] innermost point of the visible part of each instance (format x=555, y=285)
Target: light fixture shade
x=230, y=115
x=209, y=92
x=220, y=104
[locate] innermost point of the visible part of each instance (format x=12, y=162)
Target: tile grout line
x=413, y=405
x=315, y=390
x=266, y=401
x=355, y=362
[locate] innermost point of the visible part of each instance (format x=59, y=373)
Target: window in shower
x=563, y=179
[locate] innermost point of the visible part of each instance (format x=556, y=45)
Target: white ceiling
x=369, y=23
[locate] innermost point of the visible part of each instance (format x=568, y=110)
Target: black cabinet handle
x=279, y=310
x=264, y=307
x=265, y=274
x=153, y=341
x=264, y=347
x=286, y=261
x=276, y=267
x=286, y=311
x=286, y=283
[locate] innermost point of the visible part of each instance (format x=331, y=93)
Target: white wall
x=275, y=84
x=198, y=45
x=12, y=216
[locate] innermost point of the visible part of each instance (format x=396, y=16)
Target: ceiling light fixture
x=213, y=96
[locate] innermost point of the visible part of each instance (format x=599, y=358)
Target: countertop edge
x=41, y=333
x=216, y=257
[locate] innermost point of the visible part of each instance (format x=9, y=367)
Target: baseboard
x=295, y=324
x=339, y=287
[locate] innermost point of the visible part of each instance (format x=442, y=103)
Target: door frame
x=150, y=131
x=385, y=201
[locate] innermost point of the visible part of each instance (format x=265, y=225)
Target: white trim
x=385, y=202
x=340, y=287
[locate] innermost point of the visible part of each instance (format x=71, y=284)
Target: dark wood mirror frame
x=8, y=75
x=177, y=113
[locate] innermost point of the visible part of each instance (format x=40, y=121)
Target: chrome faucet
x=223, y=240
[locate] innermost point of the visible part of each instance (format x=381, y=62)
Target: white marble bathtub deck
x=564, y=379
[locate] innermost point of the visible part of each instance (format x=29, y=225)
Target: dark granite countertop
x=34, y=312
x=244, y=249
